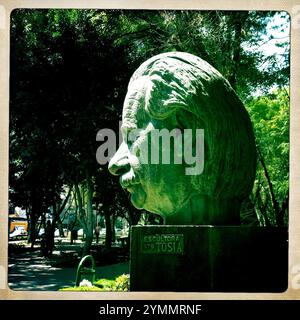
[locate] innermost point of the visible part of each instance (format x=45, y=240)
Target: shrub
x=84, y=289
x=104, y=283
x=121, y=283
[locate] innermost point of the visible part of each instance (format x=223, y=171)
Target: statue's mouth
x=134, y=186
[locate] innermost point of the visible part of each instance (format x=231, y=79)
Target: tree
x=228, y=40
x=270, y=116
x=49, y=52
x=69, y=76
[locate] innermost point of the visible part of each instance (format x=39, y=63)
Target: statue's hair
x=199, y=96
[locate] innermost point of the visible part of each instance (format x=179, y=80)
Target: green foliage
x=69, y=74
x=270, y=117
x=121, y=283
x=82, y=289
x=104, y=283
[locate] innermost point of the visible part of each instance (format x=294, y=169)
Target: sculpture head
x=181, y=91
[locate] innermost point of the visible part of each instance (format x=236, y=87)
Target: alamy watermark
x=155, y=146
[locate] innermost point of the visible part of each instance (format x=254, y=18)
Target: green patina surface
x=180, y=90
x=215, y=258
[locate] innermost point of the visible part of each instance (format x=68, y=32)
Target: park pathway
x=30, y=271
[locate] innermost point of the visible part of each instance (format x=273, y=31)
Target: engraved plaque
x=163, y=243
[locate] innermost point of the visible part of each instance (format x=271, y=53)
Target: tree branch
x=273, y=198
x=80, y=208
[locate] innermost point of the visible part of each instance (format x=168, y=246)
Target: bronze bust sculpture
x=180, y=91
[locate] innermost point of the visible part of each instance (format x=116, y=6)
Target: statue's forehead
x=134, y=114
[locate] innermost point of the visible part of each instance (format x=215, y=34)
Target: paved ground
x=29, y=271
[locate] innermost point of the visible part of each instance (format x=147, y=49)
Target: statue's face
x=156, y=187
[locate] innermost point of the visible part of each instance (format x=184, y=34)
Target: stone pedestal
x=208, y=259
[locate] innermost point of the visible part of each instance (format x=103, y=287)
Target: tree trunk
x=108, y=235
x=89, y=216
x=60, y=228
x=50, y=230
x=113, y=231
x=248, y=214
x=85, y=212
x=284, y=207
x=87, y=245
x=32, y=229
x=270, y=185
x=28, y=215
x=239, y=21
x=33, y=218
x=34, y=214
x=50, y=240
x=262, y=208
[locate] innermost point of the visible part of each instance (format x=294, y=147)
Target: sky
x=279, y=29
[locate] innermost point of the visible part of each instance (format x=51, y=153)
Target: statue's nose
x=119, y=163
